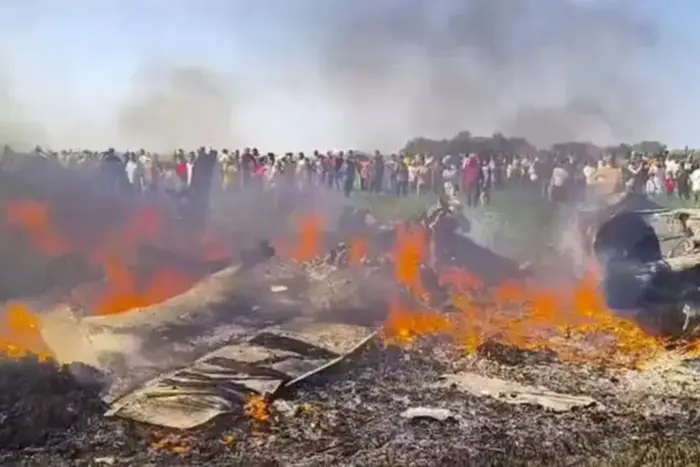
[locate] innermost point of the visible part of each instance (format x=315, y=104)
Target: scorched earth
x=140, y=341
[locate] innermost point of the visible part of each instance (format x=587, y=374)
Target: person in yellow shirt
x=229, y=172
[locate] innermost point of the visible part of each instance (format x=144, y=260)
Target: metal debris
x=511, y=392
x=440, y=415
x=271, y=360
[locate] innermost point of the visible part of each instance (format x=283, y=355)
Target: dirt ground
x=353, y=417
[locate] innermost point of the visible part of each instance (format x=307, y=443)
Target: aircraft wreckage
x=254, y=327
x=648, y=257
x=256, y=324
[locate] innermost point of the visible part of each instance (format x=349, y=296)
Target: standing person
x=134, y=174
x=392, y=168
x=695, y=183
x=659, y=177
x=639, y=173
x=365, y=174
x=413, y=175
x=486, y=183
x=247, y=167
x=669, y=184
x=350, y=172
x=181, y=166
x=338, y=164
x=533, y=174
x=113, y=173
x=558, y=183
x=377, y=173
x=470, y=180
x=401, y=178
x=422, y=177
x=683, y=182
x=190, y=164
x=200, y=186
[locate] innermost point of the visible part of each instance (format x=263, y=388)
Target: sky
x=305, y=74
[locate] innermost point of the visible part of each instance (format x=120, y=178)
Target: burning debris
x=189, y=331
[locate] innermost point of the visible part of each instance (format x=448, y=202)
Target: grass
x=514, y=222
x=518, y=223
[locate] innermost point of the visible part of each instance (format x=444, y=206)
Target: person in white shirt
x=558, y=183
x=589, y=173
x=190, y=167
x=450, y=180
x=413, y=176
x=672, y=168
x=134, y=173
x=695, y=183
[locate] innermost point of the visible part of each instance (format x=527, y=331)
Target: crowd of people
x=473, y=176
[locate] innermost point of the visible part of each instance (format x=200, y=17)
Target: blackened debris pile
x=42, y=403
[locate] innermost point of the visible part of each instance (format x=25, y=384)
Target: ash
x=353, y=417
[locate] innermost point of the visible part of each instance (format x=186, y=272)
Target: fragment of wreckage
x=511, y=392
x=650, y=267
x=242, y=330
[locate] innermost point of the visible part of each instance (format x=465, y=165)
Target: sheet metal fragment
x=221, y=380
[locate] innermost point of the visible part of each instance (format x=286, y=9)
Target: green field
x=519, y=224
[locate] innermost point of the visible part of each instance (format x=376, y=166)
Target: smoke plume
x=375, y=73
x=177, y=107
x=548, y=70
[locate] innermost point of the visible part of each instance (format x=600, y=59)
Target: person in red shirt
x=670, y=185
x=470, y=179
x=181, y=167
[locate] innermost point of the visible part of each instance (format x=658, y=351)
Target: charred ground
x=53, y=415
x=354, y=417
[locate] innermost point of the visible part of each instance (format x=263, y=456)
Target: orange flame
x=257, y=408
x=309, y=243
x=358, y=252
x=34, y=219
x=409, y=254
x=573, y=322
x=20, y=334
x=121, y=291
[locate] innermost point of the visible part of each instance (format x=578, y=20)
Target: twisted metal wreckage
x=255, y=325
x=262, y=324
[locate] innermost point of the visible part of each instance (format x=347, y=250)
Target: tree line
x=499, y=144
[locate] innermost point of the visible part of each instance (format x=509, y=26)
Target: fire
x=34, y=219
x=122, y=292
x=174, y=443
x=19, y=334
x=309, y=242
x=404, y=325
x=257, y=408
x=358, y=251
x=117, y=253
x=408, y=255
x=571, y=321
